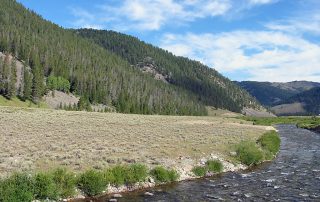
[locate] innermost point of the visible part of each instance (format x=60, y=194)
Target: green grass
x=61, y=183
x=252, y=153
x=249, y=153
x=126, y=174
x=300, y=121
x=45, y=187
x=65, y=182
x=92, y=182
x=211, y=166
x=162, y=174
x=214, y=166
x=16, y=102
x=137, y=173
x=270, y=142
x=17, y=188
x=199, y=171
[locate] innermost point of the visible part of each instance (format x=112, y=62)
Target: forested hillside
x=310, y=100
x=271, y=94
x=93, y=72
x=265, y=92
x=210, y=86
x=105, y=71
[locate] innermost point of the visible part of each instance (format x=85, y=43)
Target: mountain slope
x=307, y=103
x=270, y=94
x=210, y=86
x=94, y=73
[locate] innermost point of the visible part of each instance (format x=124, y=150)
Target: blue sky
x=263, y=40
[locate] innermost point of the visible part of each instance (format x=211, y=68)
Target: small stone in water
x=148, y=194
x=270, y=180
x=113, y=200
x=235, y=193
x=304, y=195
x=117, y=196
x=248, y=195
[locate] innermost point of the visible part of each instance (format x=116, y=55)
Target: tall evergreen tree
x=12, y=79
x=27, y=84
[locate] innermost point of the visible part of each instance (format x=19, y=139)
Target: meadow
x=43, y=139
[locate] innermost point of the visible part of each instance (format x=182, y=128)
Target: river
x=293, y=176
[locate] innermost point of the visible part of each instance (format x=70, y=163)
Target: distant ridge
x=291, y=98
x=272, y=93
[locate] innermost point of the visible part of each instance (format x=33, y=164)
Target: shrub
x=92, y=182
x=108, y=176
x=44, y=186
x=163, y=175
x=270, y=141
x=199, y=171
x=119, y=175
x=173, y=175
x=65, y=182
x=214, y=166
x=136, y=173
x=17, y=188
x=248, y=153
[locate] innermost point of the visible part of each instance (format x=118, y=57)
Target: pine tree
x=11, y=91
x=6, y=75
x=27, y=84
x=1, y=76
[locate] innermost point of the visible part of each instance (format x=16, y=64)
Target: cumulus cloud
x=264, y=55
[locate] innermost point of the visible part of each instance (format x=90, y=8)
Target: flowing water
x=293, y=176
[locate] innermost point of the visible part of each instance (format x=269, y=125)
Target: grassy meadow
x=43, y=139
x=307, y=122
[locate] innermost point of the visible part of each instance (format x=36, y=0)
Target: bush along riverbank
x=247, y=153
x=62, y=184
x=309, y=122
x=265, y=149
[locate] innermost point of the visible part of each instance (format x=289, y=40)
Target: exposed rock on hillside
x=149, y=66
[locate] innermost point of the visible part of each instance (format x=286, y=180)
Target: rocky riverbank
x=292, y=176
x=249, y=153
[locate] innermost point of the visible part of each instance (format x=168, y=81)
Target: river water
x=293, y=176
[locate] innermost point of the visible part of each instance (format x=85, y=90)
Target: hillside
x=93, y=73
x=270, y=94
x=305, y=103
x=109, y=68
x=208, y=85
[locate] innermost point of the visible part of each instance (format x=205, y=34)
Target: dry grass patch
x=35, y=139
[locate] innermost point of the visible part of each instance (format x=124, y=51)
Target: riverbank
x=305, y=122
x=292, y=176
x=36, y=140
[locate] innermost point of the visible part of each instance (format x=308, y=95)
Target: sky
x=260, y=40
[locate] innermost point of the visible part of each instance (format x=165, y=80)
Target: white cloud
x=265, y=55
x=151, y=14
x=154, y=14
x=309, y=23
x=254, y=2
x=84, y=19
